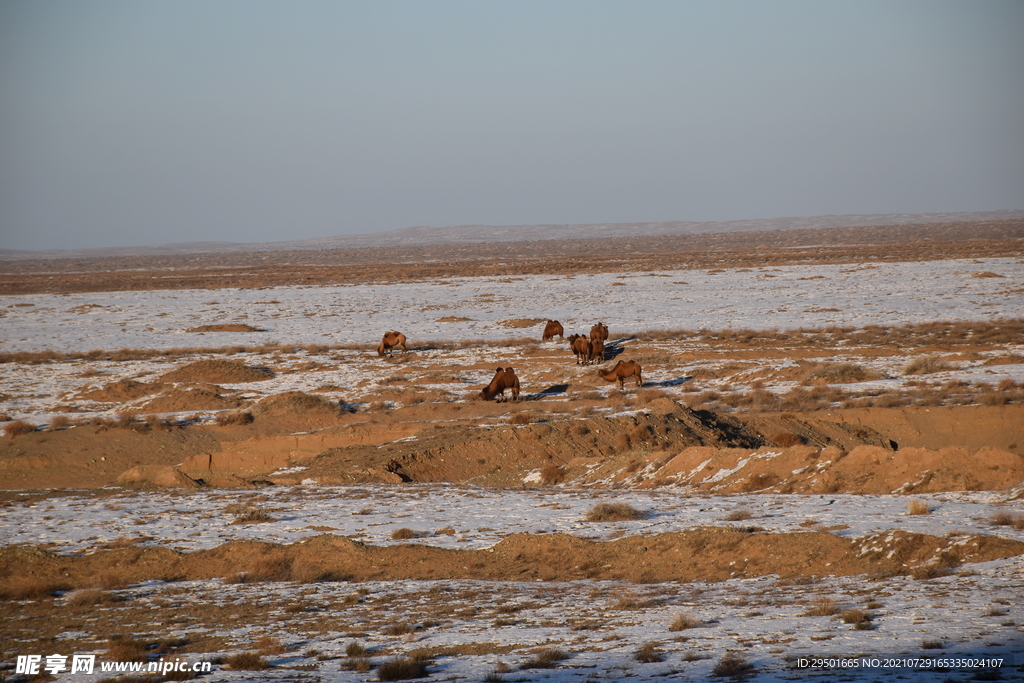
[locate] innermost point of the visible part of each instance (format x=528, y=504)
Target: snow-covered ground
x=781, y=297
x=978, y=612
x=478, y=517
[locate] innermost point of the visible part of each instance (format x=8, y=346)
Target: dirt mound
x=705, y=554
x=296, y=411
x=156, y=476
x=123, y=391
x=217, y=371
x=805, y=469
x=189, y=399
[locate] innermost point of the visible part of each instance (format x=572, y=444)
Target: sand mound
x=190, y=399
x=296, y=411
x=155, y=476
x=120, y=392
x=705, y=554
x=218, y=372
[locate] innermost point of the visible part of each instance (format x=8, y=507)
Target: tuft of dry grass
x=860, y=619
x=247, y=661
x=1004, y=518
x=786, y=439
x=918, y=507
x=91, y=597
x=552, y=474
x=253, y=516
x=681, y=622
x=732, y=665
x=233, y=417
x=738, y=515
x=926, y=365
x=121, y=648
x=547, y=658
x=29, y=588
x=614, y=512
x=404, y=534
x=648, y=653
x=401, y=669
x=18, y=427
x=822, y=607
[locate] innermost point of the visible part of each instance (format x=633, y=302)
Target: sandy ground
x=181, y=492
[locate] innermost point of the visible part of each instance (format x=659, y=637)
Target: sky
x=129, y=123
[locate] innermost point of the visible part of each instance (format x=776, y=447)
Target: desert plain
x=205, y=459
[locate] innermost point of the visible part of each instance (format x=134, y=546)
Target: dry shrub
x=732, y=665
x=18, y=427
x=268, y=645
x=355, y=649
x=233, y=417
x=29, y=588
x=931, y=645
x=614, y=512
x=786, y=439
x=918, y=507
x=841, y=373
x=399, y=628
x=649, y=653
x=928, y=572
x=622, y=443
x=822, y=607
x=247, y=661
x=681, y=622
x=91, y=597
x=926, y=365
x=59, y=422
x=1004, y=518
x=738, y=515
x=860, y=619
x=401, y=669
x=552, y=474
x=123, y=649
x=404, y=534
x=521, y=419
x=253, y=516
x=547, y=658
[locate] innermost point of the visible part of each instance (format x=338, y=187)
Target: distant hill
x=471, y=234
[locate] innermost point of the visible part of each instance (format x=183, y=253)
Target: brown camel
x=504, y=378
x=622, y=370
x=390, y=341
x=581, y=349
x=599, y=332
x=552, y=328
x=597, y=350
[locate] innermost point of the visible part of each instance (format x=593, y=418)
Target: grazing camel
x=552, y=328
x=582, y=349
x=504, y=378
x=599, y=332
x=390, y=341
x=622, y=370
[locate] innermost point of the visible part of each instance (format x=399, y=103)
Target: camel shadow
x=679, y=381
x=613, y=349
x=553, y=390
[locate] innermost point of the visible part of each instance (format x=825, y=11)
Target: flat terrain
x=826, y=457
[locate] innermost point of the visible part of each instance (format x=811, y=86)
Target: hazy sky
x=130, y=123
